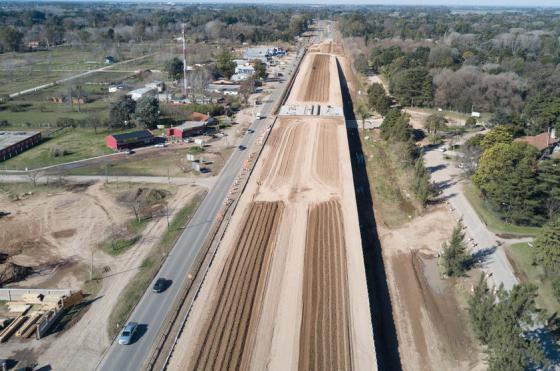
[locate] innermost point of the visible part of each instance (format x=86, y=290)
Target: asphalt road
x=495, y=261
x=153, y=308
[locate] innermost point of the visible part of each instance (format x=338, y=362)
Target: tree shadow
x=480, y=257
x=433, y=169
x=548, y=345
x=72, y=315
x=384, y=331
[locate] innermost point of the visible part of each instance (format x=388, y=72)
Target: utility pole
x=91, y=266
x=184, y=60
x=167, y=213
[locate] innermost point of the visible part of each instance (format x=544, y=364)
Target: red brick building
x=133, y=139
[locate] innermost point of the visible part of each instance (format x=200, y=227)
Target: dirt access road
x=303, y=263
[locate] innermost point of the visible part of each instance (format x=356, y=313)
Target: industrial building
x=133, y=139
x=14, y=142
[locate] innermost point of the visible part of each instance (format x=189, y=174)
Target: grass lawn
x=491, y=219
x=521, y=256
x=80, y=144
x=38, y=112
x=170, y=161
x=20, y=71
x=118, y=244
x=150, y=266
x=389, y=183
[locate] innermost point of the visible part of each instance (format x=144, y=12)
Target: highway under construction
x=287, y=286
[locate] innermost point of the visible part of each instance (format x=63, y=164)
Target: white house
x=142, y=92
x=156, y=85
x=245, y=70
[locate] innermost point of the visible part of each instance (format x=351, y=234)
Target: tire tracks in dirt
x=227, y=340
x=325, y=333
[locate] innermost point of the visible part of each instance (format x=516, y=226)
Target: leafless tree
x=34, y=176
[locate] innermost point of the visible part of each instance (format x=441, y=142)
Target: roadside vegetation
x=133, y=292
x=499, y=319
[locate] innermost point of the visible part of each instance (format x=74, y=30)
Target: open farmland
x=310, y=309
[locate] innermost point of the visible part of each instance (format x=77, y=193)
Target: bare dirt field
x=433, y=333
x=228, y=340
x=316, y=266
x=318, y=89
x=325, y=335
x=55, y=232
x=317, y=82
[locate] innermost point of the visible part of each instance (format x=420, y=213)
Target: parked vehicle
x=128, y=332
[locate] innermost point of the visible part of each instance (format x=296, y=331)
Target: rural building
x=14, y=142
x=243, y=72
x=142, y=92
x=543, y=141
x=133, y=139
x=261, y=53
x=187, y=129
x=245, y=69
x=195, y=126
x=156, y=85
x=223, y=88
x=116, y=88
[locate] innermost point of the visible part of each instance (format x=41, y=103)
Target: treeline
x=512, y=178
x=396, y=130
x=500, y=62
x=107, y=24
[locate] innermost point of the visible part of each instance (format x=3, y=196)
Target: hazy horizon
x=449, y=3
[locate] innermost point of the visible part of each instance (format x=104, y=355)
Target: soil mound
x=10, y=272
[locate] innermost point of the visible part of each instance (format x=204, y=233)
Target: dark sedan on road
x=160, y=285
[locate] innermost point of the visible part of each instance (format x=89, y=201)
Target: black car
x=242, y=147
x=160, y=285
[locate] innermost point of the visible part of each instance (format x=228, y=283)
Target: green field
x=79, y=143
x=492, y=219
x=522, y=258
x=20, y=71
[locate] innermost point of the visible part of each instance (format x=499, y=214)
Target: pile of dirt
x=11, y=272
x=79, y=187
x=144, y=196
x=147, y=202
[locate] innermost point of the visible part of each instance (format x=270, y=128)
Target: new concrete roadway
x=153, y=308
